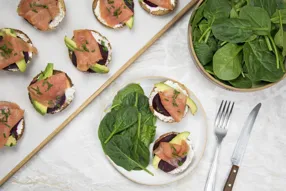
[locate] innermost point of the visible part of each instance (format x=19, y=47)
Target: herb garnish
x=37, y=90
x=104, y=46
x=4, y=135
x=38, y=5
x=48, y=83
x=34, y=10
x=6, y=52
x=180, y=163
x=117, y=12
x=93, y=51
x=176, y=93
x=85, y=48
x=5, y=117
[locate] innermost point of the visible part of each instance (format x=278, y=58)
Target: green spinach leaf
x=216, y=9
x=198, y=16
x=276, y=16
x=125, y=118
x=124, y=92
x=121, y=152
x=241, y=82
x=258, y=18
x=269, y=5
x=106, y=127
x=227, y=62
x=232, y=30
x=204, y=52
x=260, y=62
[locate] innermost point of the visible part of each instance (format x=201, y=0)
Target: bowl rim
x=210, y=77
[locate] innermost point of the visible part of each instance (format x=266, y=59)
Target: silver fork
x=221, y=123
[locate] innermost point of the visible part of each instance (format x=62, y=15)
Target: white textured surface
x=68, y=163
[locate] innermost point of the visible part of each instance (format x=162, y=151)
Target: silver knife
x=241, y=147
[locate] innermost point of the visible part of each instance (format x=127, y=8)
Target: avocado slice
x=180, y=137
x=47, y=73
x=22, y=65
x=176, y=140
x=11, y=141
x=162, y=87
x=40, y=108
x=192, y=105
x=10, y=32
x=99, y=68
x=130, y=22
x=156, y=161
x=70, y=44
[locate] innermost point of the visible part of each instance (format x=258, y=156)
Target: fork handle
x=231, y=178
x=210, y=185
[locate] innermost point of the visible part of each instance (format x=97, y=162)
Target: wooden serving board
x=127, y=46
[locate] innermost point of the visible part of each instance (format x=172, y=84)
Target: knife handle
x=231, y=178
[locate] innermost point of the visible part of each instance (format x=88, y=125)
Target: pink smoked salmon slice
x=163, y=3
x=39, y=12
x=90, y=53
x=50, y=90
x=115, y=12
x=11, y=50
x=8, y=119
x=174, y=102
x=10, y=105
x=172, y=153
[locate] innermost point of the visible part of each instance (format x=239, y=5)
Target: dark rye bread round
x=156, y=13
x=157, y=100
x=62, y=103
x=163, y=165
x=94, y=4
x=62, y=2
x=103, y=53
x=13, y=67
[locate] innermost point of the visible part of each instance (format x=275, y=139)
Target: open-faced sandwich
x=42, y=14
x=173, y=152
x=89, y=51
x=114, y=13
x=11, y=124
x=51, y=91
x=158, y=7
x=16, y=50
x=170, y=101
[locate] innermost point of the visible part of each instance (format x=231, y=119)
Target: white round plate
x=196, y=125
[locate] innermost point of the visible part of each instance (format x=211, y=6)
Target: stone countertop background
x=74, y=159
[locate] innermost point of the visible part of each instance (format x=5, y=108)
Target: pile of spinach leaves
x=242, y=43
x=127, y=131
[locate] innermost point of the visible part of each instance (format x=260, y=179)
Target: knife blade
x=240, y=147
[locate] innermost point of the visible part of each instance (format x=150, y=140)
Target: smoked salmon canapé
x=170, y=101
x=114, y=13
x=173, y=152
x=51, y=91
x=158, y=7
x=89, y=51
x=12, y=124
x=16, y=50
x=44, y=15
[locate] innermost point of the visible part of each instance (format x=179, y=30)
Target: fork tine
x=218, y=113
x=230, y=112
x=222, y=115
x=225, y=114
